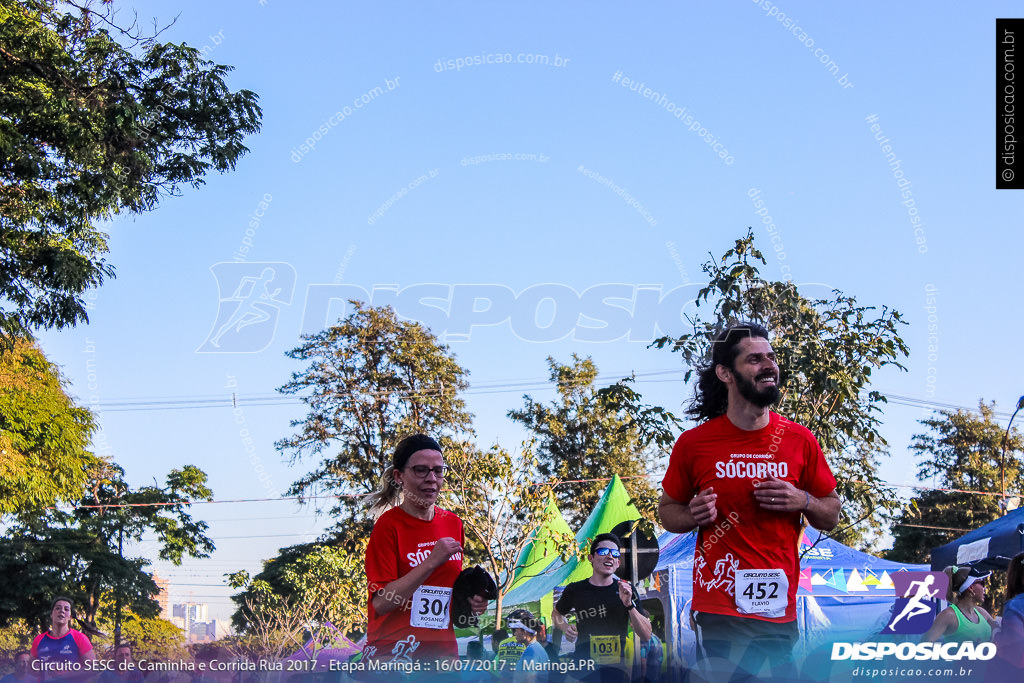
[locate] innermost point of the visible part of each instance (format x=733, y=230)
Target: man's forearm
x=823, y=513
x=641, y=625
x=675, y=516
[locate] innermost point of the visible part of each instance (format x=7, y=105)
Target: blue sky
x=792, y=129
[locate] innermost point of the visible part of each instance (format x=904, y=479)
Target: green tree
x=75, y=552
x=325, y=583
x=502, y=506
x=153, y=638
x=44, y=436
x=90, y=128
x=827, y=350
x=369, y=381
x=585, y=436
x=961, y=451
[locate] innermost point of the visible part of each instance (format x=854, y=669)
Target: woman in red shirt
x=412, y=560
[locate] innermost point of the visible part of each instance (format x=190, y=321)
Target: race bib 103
x=606, y=649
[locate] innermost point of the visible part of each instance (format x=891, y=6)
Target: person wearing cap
x=965, y=619
x=525, y=628
x=604, y=612
x=509, y=648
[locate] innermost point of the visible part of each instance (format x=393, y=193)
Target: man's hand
x=777, y=495
x=702, y=507
x=625, y=593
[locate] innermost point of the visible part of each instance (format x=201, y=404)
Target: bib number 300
x=762, y=591
x=430, y=607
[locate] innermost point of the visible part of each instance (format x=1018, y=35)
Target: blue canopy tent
x=989, y=547
x=843, y=594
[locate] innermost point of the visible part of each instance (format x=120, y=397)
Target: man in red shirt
x=743, y=478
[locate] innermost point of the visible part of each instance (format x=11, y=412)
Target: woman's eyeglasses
x=421, y=470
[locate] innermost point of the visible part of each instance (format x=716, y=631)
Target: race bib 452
x=762, y=591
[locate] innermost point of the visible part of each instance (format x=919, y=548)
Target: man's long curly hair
x=711, y=396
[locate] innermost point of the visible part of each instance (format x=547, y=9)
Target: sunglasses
x=421, y=470
x=614, y=552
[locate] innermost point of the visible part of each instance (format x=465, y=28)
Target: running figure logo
x=917, y=599
x=251, y=296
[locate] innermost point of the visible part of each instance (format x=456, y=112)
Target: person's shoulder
x=709, y=429
x=442, y=513
x=711, y=426
x=384, y=521
x=793, y=428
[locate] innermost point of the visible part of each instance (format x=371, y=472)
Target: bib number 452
x=761, y=591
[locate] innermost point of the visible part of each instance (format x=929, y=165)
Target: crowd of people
x=746, y=478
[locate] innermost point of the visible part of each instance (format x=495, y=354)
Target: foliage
x=15, y=636
x=75, y=552
x=371, y=379
x=590, y=435
x=309, y=591
x=962, y=451
x=44, y=436
x=325, y=583
x=826, y=350
x=153, y=639
x=91, y=128
x=502, y=507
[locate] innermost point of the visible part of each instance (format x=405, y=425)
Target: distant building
x=163, y=597
x=192, y=612
x=209, y=631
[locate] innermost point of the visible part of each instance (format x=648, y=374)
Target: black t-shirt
x=599, y=612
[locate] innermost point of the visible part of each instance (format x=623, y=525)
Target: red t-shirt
x=745, y=536
x=422, y=628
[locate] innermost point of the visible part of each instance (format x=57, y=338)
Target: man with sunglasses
x=604, y=612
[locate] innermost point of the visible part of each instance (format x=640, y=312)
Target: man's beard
x=762, y=397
